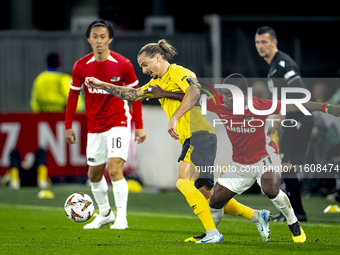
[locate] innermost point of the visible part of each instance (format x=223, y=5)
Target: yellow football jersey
x=178, y=79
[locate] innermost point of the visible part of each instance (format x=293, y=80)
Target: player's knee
x=271, y=191
x=93, y=177
x=116, y=174
x=215, y=202
x=95, y=173
x=115, y=166
x=206, y=192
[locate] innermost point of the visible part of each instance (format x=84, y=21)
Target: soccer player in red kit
x=255, y=156
x=108, y=122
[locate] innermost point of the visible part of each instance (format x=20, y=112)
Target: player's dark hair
x=100, y=23
x=265, y=29
x=238, y=80
x=163, y=48
x=53, y=59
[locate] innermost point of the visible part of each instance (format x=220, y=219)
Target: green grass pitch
x=158, y=224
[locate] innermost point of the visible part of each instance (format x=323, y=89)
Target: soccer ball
x=79, y=207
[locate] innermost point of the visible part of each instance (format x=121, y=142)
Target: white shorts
x=238, y=178
x=113, y=143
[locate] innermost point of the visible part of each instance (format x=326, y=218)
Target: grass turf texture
x=158, y=225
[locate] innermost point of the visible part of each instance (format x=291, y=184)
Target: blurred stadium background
x=213, y=39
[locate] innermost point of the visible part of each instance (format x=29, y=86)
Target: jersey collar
x=110, y=58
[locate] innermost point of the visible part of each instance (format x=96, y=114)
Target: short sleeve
x=183, y=77
x=130, y=78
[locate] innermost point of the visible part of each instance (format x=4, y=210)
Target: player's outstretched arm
x=157, y=93
x=312, y=106
x=125, y=93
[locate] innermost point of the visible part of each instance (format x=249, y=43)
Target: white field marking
x=52, y=208
x=132, y=213
x=313, y=225
x=158, y=215
x=30, y=207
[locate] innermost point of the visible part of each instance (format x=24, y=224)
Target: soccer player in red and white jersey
x=108, y=122
x=255, y=156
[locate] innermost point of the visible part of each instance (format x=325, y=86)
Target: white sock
x=282, y=203
x=217, y=215
x=214, y=231
x=99, y=191
x=255, y=217
x=120, y=193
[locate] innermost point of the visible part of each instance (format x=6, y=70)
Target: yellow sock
x=197, y=202
x=42, y=172
x=15, y=174
x=234, y=208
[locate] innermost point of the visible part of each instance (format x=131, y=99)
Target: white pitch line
x=30, y=207
x=153, y=215
x=51, y=208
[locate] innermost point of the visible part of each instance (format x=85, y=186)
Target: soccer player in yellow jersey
x=187, y=125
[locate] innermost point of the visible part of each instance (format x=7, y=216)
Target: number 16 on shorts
x=113, y=143
x=118, y=142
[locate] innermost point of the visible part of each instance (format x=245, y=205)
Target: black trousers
x=28, y=177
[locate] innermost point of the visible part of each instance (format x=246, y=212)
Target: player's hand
x=156, y=92
x=172, y=128
x=92, y=82
x=70, y=136
x=140, y=135
x=336, y=110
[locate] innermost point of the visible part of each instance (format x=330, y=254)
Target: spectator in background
x=49, y=94
x=51, y=87
x=31, y=171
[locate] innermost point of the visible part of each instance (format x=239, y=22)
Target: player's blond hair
x=163, y=48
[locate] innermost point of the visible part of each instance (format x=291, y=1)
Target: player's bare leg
x=270, y=182
x=120, y=191
x=185, y=183
x=206, y=192
x=232, y=207
x=99, y=189
x=95, y=173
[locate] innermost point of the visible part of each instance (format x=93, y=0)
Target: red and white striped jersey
x=103, y=110
x=247, y=133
